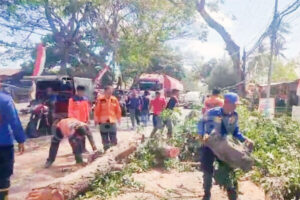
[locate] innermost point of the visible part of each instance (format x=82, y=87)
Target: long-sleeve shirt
x=10, y=125
x=134, y=103
x=79, y=108
x=107, y=110
x=212, y=102
x=68, y=126
x=146, y=103
x=216, y=119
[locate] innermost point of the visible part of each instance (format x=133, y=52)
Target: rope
x=233, y=86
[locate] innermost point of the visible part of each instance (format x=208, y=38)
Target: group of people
x=218, y=115
x=140, y=106
x=75, y=127
x=107, y=113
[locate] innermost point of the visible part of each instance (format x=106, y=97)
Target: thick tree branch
x=291, y=8
x=49, y=17
x=20, y=28
x=14, y=45
x=232, y=48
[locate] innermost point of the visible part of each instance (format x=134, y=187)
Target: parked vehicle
x=192, y=99
x=158, y=82
x=39, y=121
x=63, y=88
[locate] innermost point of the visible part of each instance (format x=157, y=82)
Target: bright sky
x=245, y=20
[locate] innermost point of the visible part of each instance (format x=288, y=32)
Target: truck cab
x=159, y=82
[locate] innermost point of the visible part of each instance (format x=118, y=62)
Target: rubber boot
x=84, y=150
x=4, y=195
x=207, y=184
x=78, y=158
x=232, y=194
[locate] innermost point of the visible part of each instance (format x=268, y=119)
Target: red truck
x=159, y=82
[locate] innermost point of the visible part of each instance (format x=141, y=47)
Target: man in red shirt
x=157, y=105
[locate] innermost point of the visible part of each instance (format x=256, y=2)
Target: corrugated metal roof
x=280, y=83
x=9, y=72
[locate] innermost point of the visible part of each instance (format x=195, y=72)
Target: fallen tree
x=79, y=182
x=70, y=186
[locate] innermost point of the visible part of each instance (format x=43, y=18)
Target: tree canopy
x=82, y=34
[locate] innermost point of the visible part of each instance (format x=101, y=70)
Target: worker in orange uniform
x=213, y=101
x=107, y=114
x=79, y=108
x=75, y=131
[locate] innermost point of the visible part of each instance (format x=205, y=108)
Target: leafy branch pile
x=185, y=137
x=277, y=153
x=277, y=150
x=146, y=157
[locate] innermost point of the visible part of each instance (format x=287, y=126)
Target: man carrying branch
x=223, y=120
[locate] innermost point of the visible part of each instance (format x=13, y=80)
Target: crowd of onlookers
x=140, y=105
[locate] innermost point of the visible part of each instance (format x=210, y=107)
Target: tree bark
x=232, y=48
x=76, y=183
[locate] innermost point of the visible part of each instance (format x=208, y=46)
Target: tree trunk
x=232, y=48
x=76, y=183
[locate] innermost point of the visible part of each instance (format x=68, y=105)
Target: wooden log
x=70, y=186
x=236, y=155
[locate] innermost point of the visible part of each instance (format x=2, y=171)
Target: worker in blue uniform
x=10, y=129
x=223, y=120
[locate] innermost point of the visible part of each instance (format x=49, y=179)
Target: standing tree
x=89, y=33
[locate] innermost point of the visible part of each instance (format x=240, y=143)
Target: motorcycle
x=39, y=121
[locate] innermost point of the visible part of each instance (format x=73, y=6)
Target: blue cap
x=232, y=97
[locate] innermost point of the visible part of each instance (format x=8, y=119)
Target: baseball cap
x=232, y=98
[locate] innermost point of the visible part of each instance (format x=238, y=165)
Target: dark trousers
x=108, y=133
x=134, y=116
x=157, y=124
x=76, y=142
x=145, y=117
x=224, y=175
x=169, y=125
x=6, y=169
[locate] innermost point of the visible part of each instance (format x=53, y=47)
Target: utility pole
x=274, y=30
x=244, y=76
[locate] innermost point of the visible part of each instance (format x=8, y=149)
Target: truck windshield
x=148, y=85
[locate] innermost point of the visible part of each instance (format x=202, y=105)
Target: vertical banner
x=296, y=113
x=40, y=60
x=38, y=66
x=267, y=107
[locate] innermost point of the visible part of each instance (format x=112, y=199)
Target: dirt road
x=172, y=185
x=29, y=171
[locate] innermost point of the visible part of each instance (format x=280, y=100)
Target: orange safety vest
x=212, y=102
x=79, y=110
x=68, y=125
x=107, y=110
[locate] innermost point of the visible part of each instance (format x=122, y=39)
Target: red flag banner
x=40, y=60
